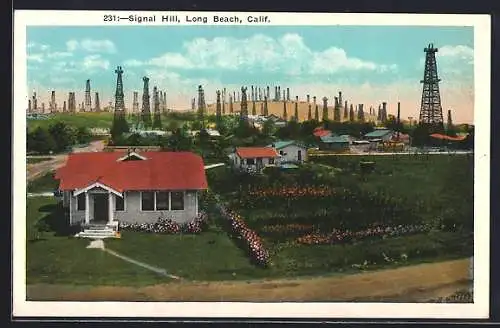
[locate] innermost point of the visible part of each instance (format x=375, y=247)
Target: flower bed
x=338, y=236
x=250, y=239
x=168, y=226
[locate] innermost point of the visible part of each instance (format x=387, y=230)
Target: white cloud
x=288, y=53
x=94, y=61
x=460, y=52
x=35, y=57
x=90, y=45
x=59, y=54
x=132, y=63
x=455, y=63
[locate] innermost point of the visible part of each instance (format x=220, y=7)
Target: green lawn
x=66, y=260
x=43, y=184
x=89, y=120
x=34, y=160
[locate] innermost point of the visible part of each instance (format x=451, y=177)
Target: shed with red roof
x=255, y=158
x=131, y=187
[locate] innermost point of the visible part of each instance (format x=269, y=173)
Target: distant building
x=320, y=132
x=254, y=159
x=334, y=143
x=382, y=134
x=290, y=151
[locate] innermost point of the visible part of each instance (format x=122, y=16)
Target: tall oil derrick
x=285, y=114
x=146, y=108
x=165, y=107
x=43, y=107
x=193, y=104
x=398, y=120
x=201, y=106
x=157, y=111
x=336, y=110
x=279, y=93
x=266, y=112
x=316, y=113
x=252, y=98
x=314, y=101
x=361, y=114
x=384, y=112
x=52, y=104
x=64, y=106
x=71, y=102
x=224, y=101
x=449, y=122
x=239, y=98
x=288, y=94
x=346, y=112
x=325, y=109
x=284, y=96
x=267, y=92
x=29, y=106
x=231, y=108
x=97, y=103
x=379, y=113
x=262, y=108
x=88, y=100
x=351, y=113
x=309, y=112
x=135, y=103
x=119, y=98
x=275, y=93
x=234, y=96
x=296, y=112
x=431, y=112
x=34, y=102
x=218, y=111
x=254, y=110
x=244, y=105
x=260, y=94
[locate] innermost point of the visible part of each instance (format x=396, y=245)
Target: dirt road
x=418, y=283
x=39, y=169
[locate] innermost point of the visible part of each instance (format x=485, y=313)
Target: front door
x=299, y=155
x=101, y=207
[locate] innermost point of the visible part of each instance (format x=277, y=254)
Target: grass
x=89, y=120
x=43, y=184
x=66, y=260
x=35, y=160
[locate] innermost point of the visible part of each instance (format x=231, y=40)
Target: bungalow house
x=255, y=158
x=320, y=132
x=382, y=134
x=290, y=151
x=106, y=188
x=335, y=143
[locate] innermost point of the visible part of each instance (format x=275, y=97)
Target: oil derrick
x=285, y=115
x=97, y=103
x=29, y=106
x=450, y=122
x=262, y=108
x=325, y=109
x=346, y=113
x=165, y=108
x=71, y=102
x=135, y=103
x=252, y=95
x=284, y=96
x=361, y=114
x=275, y=93
x=64, y=107
x=234, y=96
x=88, y=100
x=201, y=106
x=288, y=94
x=336, y=109
x=231, y=108
x=314, y=101
x=431, y=112
x=244, y=105
x=296, y=112
x=278, y=95
x=266, y=112
x=384, y=112
x=119, y=98
x=398, y=120
x=34, y=102
x=239, y=98
x=316, y=113
x=309, y=113
x=351, y=113
x=157, y=110
x=224, y=101
x=193, y=104
x=254, y=111
x=267, y=93
x=218, y=113
x=52, y=104
x=43, y=107
x=260, y=94
x=379, y=114
x=146, y=108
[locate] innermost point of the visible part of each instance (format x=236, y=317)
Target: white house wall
x=291, y=153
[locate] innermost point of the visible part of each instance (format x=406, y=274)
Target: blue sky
x=370, y=64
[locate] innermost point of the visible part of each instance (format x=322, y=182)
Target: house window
x=250, y=161
x=177, y=201
x=162, y=201
x=147, y=201
x=271, y=160
x=299, y=155
x=119, y=202
x=81, y=202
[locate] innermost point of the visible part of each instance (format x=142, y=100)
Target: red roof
x=320, y=132
x=445, y=137
x=254, y=152
x=160, y=171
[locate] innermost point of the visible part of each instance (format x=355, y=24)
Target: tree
x=83, y=135
x=157, y=121
x=40, y=141
x=63, y=135
x=268, y=128
x=119, y=127
x=179, y=141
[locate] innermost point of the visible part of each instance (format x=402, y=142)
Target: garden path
x=100, y=245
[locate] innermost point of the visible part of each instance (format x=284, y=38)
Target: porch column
x=87, y=208
x=196, y=201
x=110, y=207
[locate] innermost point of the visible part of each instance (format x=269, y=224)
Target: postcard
x=258, y=165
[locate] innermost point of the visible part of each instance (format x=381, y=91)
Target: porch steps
x=97, y=233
